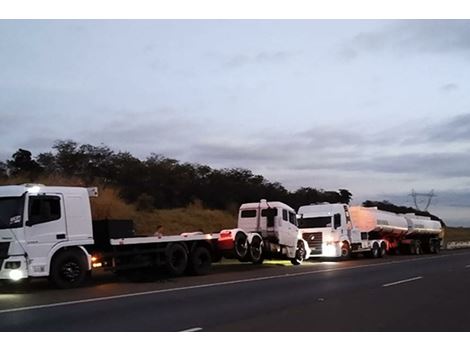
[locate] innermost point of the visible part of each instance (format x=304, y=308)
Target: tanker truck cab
x=38, y=224
x=326, y=230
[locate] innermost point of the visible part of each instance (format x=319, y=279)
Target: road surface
x=397, y=293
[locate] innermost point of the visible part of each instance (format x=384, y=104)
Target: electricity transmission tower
x=416, y=200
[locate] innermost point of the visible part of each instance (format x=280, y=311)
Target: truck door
x=45, y=225
x=288, y=232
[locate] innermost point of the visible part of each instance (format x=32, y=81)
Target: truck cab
x=265, y=230
x=326, y=229
x=36, y=223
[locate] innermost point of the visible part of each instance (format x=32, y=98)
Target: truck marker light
x=225, y=235
x=97, y=265
x=15, y=275
x=34, y=189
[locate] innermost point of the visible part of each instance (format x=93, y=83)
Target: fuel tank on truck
x=375, y=220
x=422, y=225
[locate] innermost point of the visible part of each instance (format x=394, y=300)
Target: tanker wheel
x=418, y=250
x=375, y=251
x=434, y=247
x=256, y=250
x=241, y=245
x=383, y=250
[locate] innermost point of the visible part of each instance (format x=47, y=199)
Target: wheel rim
x=256, y=249
x=71, y=271
x=241, y=246
x=300, y=252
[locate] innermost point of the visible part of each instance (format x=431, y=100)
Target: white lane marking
x=191, y=330
x=467, y=266
x=223, y=283
x=402, y=281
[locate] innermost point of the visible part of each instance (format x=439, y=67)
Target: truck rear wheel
x=200, y=261
x=176, y=259
x=256, y=250
x=241, y=245
x=68, y=269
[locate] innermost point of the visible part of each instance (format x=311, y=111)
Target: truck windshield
x=11, y=212
x=309, y=223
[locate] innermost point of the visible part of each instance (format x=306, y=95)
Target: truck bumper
x=14, y=268
x=331, y=250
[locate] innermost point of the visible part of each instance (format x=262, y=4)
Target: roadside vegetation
x=457, y=234
x=159, y=191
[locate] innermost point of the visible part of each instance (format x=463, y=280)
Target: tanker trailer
x=378, y=224
x=424, y=234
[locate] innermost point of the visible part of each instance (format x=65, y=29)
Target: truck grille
x=314, y=240
x=4, y=247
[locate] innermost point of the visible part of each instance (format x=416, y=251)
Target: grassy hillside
x=457, y=234
x=174, y=221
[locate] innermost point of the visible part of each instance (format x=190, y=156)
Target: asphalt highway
x=396, y=293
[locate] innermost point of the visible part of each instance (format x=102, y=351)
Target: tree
x=22, y=164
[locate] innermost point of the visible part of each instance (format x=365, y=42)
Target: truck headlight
x=15, y=275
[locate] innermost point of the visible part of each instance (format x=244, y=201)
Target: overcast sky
x=377, y=107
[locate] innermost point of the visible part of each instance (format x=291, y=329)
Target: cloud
x=413, y=36
x=449, y=87
x=263, y=57
x=455, y=129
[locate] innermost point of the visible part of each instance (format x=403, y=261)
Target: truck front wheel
x=299, y=254
x=345, y=251
x=68, y=269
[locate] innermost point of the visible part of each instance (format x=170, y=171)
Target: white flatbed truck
x=49, y=232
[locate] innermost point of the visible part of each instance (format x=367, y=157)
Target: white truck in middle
x=266, y=230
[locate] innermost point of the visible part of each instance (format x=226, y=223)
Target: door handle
x=60, y=236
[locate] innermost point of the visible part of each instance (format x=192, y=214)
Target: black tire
x=241, y=245
x=176, y=259
x=434, y=247
x=299, y=254
x=382, y=250
x=345, y=251
x=69, y=269
x=255, y=250
x=200, y=261
x=375, y=251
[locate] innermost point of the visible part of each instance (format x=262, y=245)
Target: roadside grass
x=457, y=234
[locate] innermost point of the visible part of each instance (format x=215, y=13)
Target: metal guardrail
x=457, y=244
